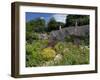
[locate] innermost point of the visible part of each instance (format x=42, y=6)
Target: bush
x=71, y=54
x=69, y=38
x=30, y=36
x=76, y=55
x=48, y=54
x=59, y=47
x=33, y=56
x=34, y=60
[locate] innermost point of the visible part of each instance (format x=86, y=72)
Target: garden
x=47, y=50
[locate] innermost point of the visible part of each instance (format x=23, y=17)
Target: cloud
x=60, y=17
x=41, y=17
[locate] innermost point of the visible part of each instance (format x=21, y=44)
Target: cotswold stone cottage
x=60, y=34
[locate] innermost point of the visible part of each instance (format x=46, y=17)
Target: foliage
x=30, y=26
x=52, y=24
x=74, y=55
x=48, y=53
x=60, y=24
x=69, y=38
x=65, y=52
x=30, y=36
x=33, y=53
x=59, y=47
x=32, y=56
x=81, y=20
x=84, y=40
x=37, y=25
x=38, y=55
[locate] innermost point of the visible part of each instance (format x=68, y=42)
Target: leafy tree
x=30, y=26
x=29, y=30
x=52, y=24
x=34, y=26
x=60, y=24
x=40, y=25
x=81, y=20
x=37, y=25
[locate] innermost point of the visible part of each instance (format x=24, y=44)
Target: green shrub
x=69, y=39
x=30, y=36
x=34, y=60
x=33, y=56
x=48, y=54
x=59, y=47
x=38, y=55
x=75, y=55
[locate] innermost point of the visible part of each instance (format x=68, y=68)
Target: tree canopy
x=40, y=25
x=54, y=25
x=81, y=20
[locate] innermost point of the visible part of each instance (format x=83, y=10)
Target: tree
x=81, y=20
x=60, y=24
x=40, y=25
x=34, y=26
x=30, y=26
x=37, y=25
x=52, y=24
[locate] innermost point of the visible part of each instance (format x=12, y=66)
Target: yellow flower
x=48, y=53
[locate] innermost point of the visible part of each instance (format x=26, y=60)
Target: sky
x=46, y=16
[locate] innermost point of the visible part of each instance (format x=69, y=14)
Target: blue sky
x=46, y=16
